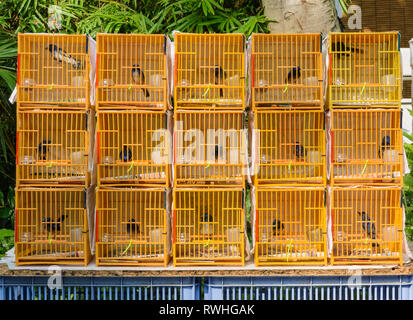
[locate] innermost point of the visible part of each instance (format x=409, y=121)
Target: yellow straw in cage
x=131, y=166
x=288, y=249
x=286, y=88
x=207, y=90
x=365, y=166
x=127, y=248
x=51, y=87
x=50, y=239
x=207, y=244
x=362, y=89
x=50, y=164
x=130, y=86
x=208, y=165
x=289, y=166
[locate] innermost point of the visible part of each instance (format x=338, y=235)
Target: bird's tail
x=63, y=217
x=146, y=92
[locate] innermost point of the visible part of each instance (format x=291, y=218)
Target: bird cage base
x=148, y=177
x=287, y=107
x=209, y=107
x=130, y=106
x=155, y=260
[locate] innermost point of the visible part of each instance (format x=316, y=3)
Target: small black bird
x=343, y=49
x=60, y=55
x=53, y=226
x=132, y=227
x=219, y=78
x=206, y=217
x=369, y=227
x=218, y=148
x=385, y=144
x=299, y=151
x=277, y=227
x=293, y=74
x=44, y=149
x=126, y=154
x=138, y=77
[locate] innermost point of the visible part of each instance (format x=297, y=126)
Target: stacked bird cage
x=133, y=144
x=210, y=149
x=286, y=70
x=52, y=226
x=132, y=72
x=290, y=226
x=53, y=149
x=208, y=226
x=132, y=226
x=366, y=148
x=364, y=70
x=366, y=225
x=288, y=149
x=209, y=71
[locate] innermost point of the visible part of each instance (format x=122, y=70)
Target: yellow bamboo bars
x=367, y=225
x=131, y=72
x=209, y=71
x=366, y=147
x=53, y=71
x=290, y=148
x=290, y=226
x=208, y=227
x=132, y=227
x=286, y=69
x=51, y=226
x=210, y=148
x=52, y=148
x=364, y=70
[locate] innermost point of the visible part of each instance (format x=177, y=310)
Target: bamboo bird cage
x=364, y=70
x=290, y=148
x=133, y=148
x=52, y=148
x=367, y=225
x=53, y=70
x=132, y=227
x=286, y=69
x=210, y=148
x=51, y=227
x=209, y=71
x=290, y=227
x=208, y=227
x=366, y=147
x=131, y=71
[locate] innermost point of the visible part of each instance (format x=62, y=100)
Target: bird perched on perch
x=132, y=227
x=138, y=77
x=368, y=227
x=219, y=78
x=53, y=226
x=61, y=56
x=277, y=227
x=385, y=145
x=126, y=154
x=293, y=74
x=44, y=149
x=342, y=49
x=299, y=151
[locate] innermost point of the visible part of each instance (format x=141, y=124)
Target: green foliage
x=6, y=241
x=344, y=4
x=408, y=192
